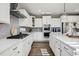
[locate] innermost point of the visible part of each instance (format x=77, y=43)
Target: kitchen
x=39, y=29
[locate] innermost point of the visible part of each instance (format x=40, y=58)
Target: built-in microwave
x=47, y=28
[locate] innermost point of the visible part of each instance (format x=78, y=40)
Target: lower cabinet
x=21, y=48
x=39, y=36
x=51, y=43
x=55, y=45
x=59, y=48
x=66, y=50
x=12, y=51
x=27, y=43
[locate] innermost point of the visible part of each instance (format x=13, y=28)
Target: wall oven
x=46, y=30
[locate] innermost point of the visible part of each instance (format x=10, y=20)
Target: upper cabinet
x=24, y=12
x=5, y=13
x=55, y=22
x=69, y=18
x=38, y=22
x=46, y=19
x=25, y=21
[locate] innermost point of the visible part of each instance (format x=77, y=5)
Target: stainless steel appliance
x=46, y=30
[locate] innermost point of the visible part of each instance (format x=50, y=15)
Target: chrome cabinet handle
x=15, y=48
x=65, y=48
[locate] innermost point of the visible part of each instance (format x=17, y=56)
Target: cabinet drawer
x=57, y=43
x=18, y=53
x=67, y=48
x=9, y=51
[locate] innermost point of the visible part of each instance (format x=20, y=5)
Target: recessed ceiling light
x=46, y=13
x=39, y=10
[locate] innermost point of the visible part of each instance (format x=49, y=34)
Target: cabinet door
x=57, y=47
x=64, y=53
x=35, y=36
x=38, y=22
x=5, y=13
x=55, y=22
x=46, y=19
x=51, y=42
x=38, y=36
x=25, y=46
x=23, y=11
x=23, y=22
x=66, y=50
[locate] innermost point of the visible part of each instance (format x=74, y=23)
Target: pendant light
x=64, y=9
x=64, y=16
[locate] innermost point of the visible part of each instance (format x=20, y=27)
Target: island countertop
x=73, y=42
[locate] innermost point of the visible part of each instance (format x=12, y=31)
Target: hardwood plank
x=35, y=51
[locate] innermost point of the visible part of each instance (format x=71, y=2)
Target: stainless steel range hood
x=17, y=14
x=15, y=11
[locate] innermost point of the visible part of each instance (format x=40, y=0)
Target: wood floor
x=35, y=51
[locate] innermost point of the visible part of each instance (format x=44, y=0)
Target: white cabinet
x=60, y=48
x=5, y=13
x=27, y=43
x=25, y=21
x=38, y=22
x=55, y=22
x=12, y=51
x=24, y=12
x=46, y=19
x=38, y=36
x=17, y=50
x=73, y=18
x=21, y=48
x=22, y=22
x=57, y=47
x=51, y=43
x=69, y=18
x=66, y=50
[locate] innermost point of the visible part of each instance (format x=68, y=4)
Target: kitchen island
x=63, y=45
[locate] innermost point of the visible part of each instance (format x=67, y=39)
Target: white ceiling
x=53, y=9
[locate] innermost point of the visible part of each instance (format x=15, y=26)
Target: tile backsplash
x=5, y=28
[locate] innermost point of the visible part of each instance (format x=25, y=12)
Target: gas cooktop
x=19, y=36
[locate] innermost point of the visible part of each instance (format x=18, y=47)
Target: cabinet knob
x=18, y=51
